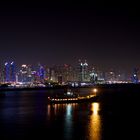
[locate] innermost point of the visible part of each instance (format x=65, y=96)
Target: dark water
x=25, y=114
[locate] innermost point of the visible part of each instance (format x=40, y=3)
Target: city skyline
x=26, y=74
x=107, y=36
x=75, y=65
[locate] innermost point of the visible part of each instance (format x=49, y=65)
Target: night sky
x=106, y=34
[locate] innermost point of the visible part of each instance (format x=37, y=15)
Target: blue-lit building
x=41, y=73
x=9, y=72
x=6, y=72
x=12, y=72
x=134, y=77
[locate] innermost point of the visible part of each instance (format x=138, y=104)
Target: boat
x=71, y=97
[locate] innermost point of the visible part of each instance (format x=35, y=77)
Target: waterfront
x=27, y=113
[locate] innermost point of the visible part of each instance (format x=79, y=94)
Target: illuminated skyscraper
x=22, y=77
x=12, y=72
x=135, y=78
x=41, y=73
x=6, y=72
x=83, y=71
x=93, y=76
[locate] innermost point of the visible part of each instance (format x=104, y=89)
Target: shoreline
x=99, y=86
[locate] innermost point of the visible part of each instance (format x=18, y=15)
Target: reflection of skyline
x=70, y=110
x=54, y=111
x=68, y=122
x=95, y=123
x=57, y=109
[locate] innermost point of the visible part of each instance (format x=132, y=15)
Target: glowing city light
x=95, y=90
x=24, y=65
x=6, y=63
x=12, y=63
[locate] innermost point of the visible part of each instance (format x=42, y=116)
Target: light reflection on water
x=23, y=114
x=76, y=113
x=95, y=123
x=68, y=122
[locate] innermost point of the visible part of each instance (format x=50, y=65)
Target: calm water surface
x=27, y=113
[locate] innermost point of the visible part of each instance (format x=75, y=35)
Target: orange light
x=95, y=90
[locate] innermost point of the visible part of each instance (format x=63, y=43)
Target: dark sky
x=106, y=34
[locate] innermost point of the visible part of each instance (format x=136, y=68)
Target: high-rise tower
x=83, y=71
x=6, y=72
x=12, y=72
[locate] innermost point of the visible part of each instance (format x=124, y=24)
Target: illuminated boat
x=70, y=97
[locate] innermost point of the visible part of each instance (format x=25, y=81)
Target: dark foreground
x=115, y=116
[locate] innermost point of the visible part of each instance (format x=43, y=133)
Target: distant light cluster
x=81, y=74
